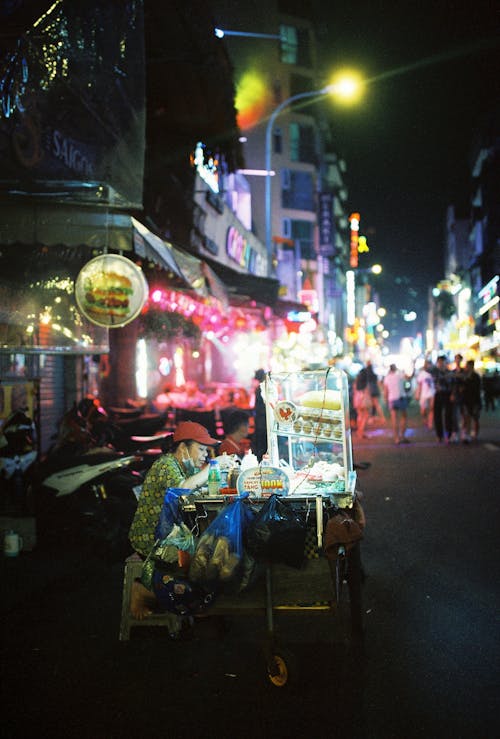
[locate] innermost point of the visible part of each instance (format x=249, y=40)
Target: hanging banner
x=111, y=290
x=326, y=224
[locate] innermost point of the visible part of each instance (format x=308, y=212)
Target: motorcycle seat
x=125, y=413
x=151, y=439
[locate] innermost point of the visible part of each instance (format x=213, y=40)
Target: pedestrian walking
x=424, y=393
x=397, y=402
x=491, y=381
x=373, y=385
x=471, y=402
x=442, y=402
x=456, y=398
x=362, y=402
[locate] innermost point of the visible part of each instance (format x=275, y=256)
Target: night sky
x=435, y=68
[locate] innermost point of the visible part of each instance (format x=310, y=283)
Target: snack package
x=219, y=551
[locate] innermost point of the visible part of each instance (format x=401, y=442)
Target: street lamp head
x=376, y=269
x=346, y=86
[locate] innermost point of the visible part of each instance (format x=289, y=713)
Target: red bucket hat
x=191, y=431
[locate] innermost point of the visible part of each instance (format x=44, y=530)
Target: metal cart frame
x=314, y=589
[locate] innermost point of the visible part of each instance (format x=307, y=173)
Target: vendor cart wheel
x=281, y=668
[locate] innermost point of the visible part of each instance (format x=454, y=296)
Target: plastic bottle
x=214, y=478
x=266, y=460
x=234, y=473
x=224, y=466
x=249, y=461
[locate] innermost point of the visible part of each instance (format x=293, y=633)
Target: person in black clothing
x=490, y=389
x=442, y=402
x=456, y=398
x=259, y=443
x=471, y=398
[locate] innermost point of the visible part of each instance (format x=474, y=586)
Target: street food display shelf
x=308, y=429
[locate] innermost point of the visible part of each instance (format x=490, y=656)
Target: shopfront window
x=38, y=312
x=295, y=46
x=297, y=190
x=301, y=143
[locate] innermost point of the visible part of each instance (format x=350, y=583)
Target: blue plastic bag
x=219, y=551
x=169, y=514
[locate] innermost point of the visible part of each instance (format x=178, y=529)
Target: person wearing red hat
x=183, y=466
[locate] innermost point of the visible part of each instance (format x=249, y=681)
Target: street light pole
x=269, y=131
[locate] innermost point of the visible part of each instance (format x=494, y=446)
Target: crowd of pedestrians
x=450, y=399
x=457, y=400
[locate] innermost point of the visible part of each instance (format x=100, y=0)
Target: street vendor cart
x=306, y=519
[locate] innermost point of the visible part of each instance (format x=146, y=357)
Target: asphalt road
x=430, y=601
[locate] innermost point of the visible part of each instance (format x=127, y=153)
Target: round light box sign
x=111, y=290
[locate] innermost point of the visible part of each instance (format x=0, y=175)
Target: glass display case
x=308, y=430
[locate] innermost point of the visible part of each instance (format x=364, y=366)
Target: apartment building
x=302, y=216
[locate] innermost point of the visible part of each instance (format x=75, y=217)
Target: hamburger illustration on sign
x=107, y=294
x=111, y=290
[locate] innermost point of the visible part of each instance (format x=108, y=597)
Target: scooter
x=88, y=425
x=85, y=489
x=88, y=501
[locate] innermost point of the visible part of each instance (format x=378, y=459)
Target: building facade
x=302, y=213
x=464, y=307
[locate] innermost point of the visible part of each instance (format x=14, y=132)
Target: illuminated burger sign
x=110, y=290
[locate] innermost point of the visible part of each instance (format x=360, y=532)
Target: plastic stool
x=133, y=569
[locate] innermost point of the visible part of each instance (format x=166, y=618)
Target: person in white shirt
x=397, y=402
x=425, y=394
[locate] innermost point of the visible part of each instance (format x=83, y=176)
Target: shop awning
x=261, y=289
x=48, y=223
x=55, y=223
x=150, y=246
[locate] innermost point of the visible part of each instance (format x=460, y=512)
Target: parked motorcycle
x=90, y=500
x=88, y=425
x=86, y=488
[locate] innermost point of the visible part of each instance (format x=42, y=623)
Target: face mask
x=188, y=465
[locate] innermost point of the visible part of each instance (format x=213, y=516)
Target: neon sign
x=310, y=299
x=354, y=219
x=489, y=290
x=240, y=251
x=238, y=248
x=207, y=169
x=350, y=296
